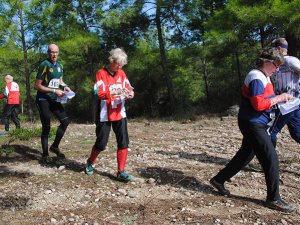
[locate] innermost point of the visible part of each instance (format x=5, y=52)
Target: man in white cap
x=12, y=95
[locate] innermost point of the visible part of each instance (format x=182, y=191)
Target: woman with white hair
x=112, y=88
x=12, y=95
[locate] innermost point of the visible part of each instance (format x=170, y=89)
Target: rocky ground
x=172, y=163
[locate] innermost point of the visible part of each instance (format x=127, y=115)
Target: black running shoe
x=220, y=187
x=280, y=205
x=46, y=159
x=58, y=153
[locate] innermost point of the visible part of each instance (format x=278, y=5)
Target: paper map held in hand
x=289, y=106
x=68, y=95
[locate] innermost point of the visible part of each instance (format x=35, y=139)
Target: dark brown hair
x=269, y=55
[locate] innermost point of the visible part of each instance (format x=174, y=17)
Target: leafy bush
x=26, y=134
x=7, y=150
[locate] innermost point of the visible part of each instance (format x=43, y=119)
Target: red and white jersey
x=12, y=93
x=111, y=108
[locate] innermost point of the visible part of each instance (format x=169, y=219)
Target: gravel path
x=172, y=163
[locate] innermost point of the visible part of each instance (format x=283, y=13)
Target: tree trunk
x=205, y=76
x=238, y=66
x=293, y=41
x=26, y=67
x=262, y=34
x=164, y=61
x=94, y=99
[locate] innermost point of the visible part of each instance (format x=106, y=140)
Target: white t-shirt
x=287, y=79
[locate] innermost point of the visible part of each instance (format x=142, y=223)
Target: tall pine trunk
x=164, y=61
x=26, y=67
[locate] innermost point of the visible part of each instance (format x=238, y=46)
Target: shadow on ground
x=18, y=153
x=244, y=199
x=14, y=202
x=22, y=153
x=202, y=157
x=176, y=178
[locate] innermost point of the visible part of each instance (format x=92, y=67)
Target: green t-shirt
x=50, y=75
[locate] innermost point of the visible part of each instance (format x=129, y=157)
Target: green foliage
x=78, y=57
x=210, y=46
x=145, y=75
x=7, y=150
x=187, y=76
x=27, y=134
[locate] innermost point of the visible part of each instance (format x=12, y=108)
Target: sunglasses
x=276, y=66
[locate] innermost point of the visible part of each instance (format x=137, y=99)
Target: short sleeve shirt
x=50, y=75
x=287, y=80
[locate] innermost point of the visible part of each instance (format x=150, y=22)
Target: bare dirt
x=172, y=163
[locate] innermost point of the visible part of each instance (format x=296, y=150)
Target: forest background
x=186, y=57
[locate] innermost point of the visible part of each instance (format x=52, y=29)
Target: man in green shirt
x=50, y=85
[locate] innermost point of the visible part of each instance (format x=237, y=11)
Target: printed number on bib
x=54, y=83
x=14, y=87
x=115, y=88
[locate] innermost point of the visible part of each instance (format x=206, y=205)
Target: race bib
x=54, y=83
x=115, y=88
x=14, y=87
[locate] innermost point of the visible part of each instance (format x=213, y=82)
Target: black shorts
x=46, y=107
x=120, y=130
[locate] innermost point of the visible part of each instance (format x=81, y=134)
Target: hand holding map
x=289, y=106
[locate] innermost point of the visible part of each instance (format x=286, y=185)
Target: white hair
x=118, y=56
x=9, y=77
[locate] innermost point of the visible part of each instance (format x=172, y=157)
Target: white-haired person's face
x=114, y=67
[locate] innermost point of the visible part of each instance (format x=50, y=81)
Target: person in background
x=12, y=95
x=287, y=80
x=255, y=117
x=50, y=85
x=112, y=88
